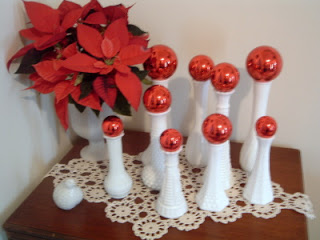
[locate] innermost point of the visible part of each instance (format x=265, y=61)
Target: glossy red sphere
x=266, y=127
x=162, y=63
x=112, y=126
x=171, y=140
x=201, y=68
x=157, y=99
x=217, y=128
x=264, y=63
x=225, y=77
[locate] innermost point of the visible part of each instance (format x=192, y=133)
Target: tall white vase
x=164, y=82
x=197, y=146
x=171, y=202
x=153, y=157
x=212, y=196
x=118, y=182
x=87, y=125
x=249, y=148
x=258, y=189
x=223, y=107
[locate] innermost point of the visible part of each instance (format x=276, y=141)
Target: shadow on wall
x=242, y=90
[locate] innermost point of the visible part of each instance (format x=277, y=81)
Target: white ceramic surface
x=87, y=125
x=67, y=194
x=249, y=148
x=258, y=189
x=118, y=182
x=197, y=146
x=171, y=202
x=212, y=196
x=153, y=157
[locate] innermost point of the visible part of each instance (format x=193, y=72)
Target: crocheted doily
x=138, y=207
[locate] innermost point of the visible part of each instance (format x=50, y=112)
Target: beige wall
x=225, y=30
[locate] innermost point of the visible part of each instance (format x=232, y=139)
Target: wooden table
x=39, y=218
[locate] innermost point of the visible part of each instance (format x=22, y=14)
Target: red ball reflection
x=217, y=128
x=112, y=126
x=264, y=63
x=157, y=99
x=171, y=140
x=225, y=77
x=201, y=68
x=266, y=127
x=162, y=63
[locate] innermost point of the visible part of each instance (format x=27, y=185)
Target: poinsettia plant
x=85, y=55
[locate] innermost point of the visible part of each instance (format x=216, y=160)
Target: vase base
x=94, y=154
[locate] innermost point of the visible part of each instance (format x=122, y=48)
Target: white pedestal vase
x=117, y=183
x=171, y=202
x=223, y=107
x=249, y=149
x=164, y=82
x=212, y=196
x=197, y=146
x=258, y=189
x=87, y=125
x=154, y=158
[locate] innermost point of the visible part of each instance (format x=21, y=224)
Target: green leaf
x=32, y=57
x=141, y=74
x=136, y=31
x=122, y=106
x=147, y=81
x=78, y=106
x=86, y=85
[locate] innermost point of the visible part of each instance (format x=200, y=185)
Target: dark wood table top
x=39, y=218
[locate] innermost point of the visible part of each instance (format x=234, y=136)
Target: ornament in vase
x=217, y=129
x=224, y=79
x=201, y=69
x=88, y=126
x=157, y=100
x=67, y=195
x=263, y=64
x=258, y=189
x=118, y=182
x=161, y=64
x=171, y=202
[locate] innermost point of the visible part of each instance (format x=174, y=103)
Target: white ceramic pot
x=87, y=125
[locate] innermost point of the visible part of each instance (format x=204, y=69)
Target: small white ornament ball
x=67, y=194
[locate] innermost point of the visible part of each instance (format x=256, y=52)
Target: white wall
x=225, y=30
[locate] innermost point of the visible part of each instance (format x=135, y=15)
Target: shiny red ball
x=162, y=63
x=217, y=128
x=112, y=126
x=157, y=99
x=264, y=63
x=201, y=68
x=171, y=140
x=225, y=77
x=266, y=127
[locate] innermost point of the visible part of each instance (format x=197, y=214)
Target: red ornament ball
x=157, y=99
x=171, y=140
x=266, y=127
x=112, y=126
x=217, y=128
x=264, y=63
x=162, y=63
x=201, y=68
x=225, y=77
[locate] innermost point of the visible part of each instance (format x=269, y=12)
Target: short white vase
x=67, y=194
x=87, y=125
x=258, y=189
x=249, y=148
x=212, y=196
x=197, y=146
x=153, y=157
x=171, y=202
x=118, y=182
